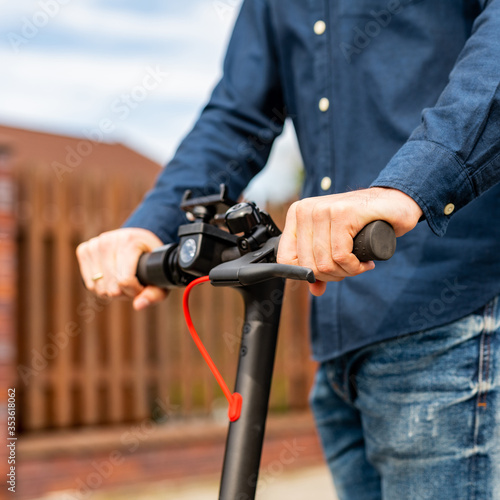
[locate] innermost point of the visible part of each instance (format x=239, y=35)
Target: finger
x=319, y=288
x=304, y=243
x=85, y=266
x=327, y=269
x=342, y=244
x=287, y=250
x=150, y=295
x=126, y=269
x=108, y=248
x=94, y=268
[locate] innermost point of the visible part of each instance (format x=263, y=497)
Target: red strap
x=235, y=400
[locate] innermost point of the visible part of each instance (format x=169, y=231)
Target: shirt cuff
x=163, y=220
x=433, y=176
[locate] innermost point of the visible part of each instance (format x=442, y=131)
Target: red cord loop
x=235, y=400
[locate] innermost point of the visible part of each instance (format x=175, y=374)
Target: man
x=396, y=106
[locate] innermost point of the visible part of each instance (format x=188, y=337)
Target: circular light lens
x=188, y=251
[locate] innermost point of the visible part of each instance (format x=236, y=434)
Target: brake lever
x=252, y=274
x=255, y=267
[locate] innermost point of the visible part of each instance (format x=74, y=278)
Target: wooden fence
x=82, y=361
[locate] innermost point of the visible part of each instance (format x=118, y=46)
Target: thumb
x=149, y=295
x=318, y=288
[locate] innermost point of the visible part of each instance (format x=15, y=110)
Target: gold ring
x=97, y=276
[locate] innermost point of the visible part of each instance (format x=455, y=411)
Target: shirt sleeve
x=454, y=155
x=232, y=138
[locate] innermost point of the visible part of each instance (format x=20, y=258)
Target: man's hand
x=319, y=231
x=108, y=265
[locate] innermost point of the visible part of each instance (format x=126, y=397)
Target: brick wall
x=7, y=304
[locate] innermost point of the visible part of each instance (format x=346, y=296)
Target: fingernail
x=141, y=303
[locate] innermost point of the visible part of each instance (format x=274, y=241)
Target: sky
x=143, y=68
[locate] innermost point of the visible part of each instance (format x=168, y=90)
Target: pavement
x=301, y=484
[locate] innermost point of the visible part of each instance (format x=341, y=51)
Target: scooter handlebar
x=376, y=241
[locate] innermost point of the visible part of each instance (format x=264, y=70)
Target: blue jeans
x=416, y=417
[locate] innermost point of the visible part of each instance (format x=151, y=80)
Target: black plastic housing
x=211, y=241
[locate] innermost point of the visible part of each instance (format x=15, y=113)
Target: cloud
x=84, y=25
x=83, y=56
x=90, y=53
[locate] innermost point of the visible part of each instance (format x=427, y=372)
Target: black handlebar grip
x=153, y=267
x=376, y=241
x=142, y=269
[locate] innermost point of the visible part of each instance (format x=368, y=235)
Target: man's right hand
x=108, y=265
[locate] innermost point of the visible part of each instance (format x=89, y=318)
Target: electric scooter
x=235, y=244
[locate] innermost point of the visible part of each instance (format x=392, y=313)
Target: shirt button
x=324, y=104
x=319, y=27
x=326, y=183
x=448, y=209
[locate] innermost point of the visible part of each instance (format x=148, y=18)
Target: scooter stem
x=253, y=381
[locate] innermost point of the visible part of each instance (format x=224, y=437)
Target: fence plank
x=139, y=364
x=297, y=347
x=62, y=265
x=183, y=371
x=35, y=202
x=86, y=309
x=230, y=318
x=114, y=323
x=209, y=327
x=165, y=359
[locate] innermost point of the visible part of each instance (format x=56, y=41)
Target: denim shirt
x=394, y=93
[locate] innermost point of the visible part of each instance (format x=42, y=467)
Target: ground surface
x=301, y=484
